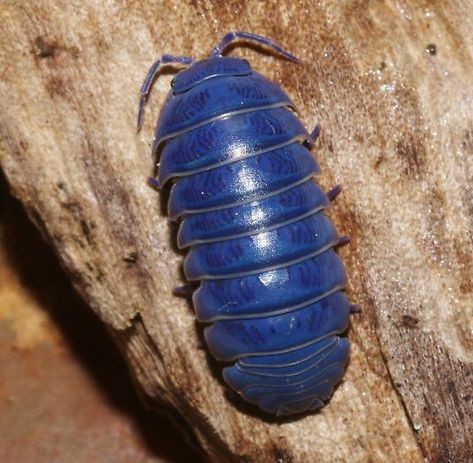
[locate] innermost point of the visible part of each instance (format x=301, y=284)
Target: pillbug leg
x=331, y=194
x=231, y=36
x=343, y=240
x=153, y=182
x=148, y=82
x=313, y=136
x=182, y=291
x=355, y=308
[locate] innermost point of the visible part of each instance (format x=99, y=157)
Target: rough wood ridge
x=391, y=83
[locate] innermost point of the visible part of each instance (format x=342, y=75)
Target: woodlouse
x=271, y=284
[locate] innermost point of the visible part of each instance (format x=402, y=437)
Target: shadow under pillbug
x=271, y=284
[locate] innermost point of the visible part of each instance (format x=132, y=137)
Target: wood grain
x=73, y=410
x=391, y=83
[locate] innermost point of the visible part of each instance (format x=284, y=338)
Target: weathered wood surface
x=391, y=82
x=73, y=410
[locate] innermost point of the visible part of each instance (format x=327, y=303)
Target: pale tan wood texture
x=391, y=84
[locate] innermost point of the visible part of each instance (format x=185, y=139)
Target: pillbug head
x=209, y=69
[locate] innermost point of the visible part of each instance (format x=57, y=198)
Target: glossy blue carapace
x=252, y=216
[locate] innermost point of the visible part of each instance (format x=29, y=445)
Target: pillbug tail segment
x=148, y=82
x=234, y=35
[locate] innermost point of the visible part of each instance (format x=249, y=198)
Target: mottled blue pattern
x=212, y=97
x=230, y=339
x=269, y=292
x=271, y=284
x=244, y=219
x=242, y=181
x=228, y=140
x=266, y=250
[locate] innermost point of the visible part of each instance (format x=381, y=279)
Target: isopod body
x=252, y=216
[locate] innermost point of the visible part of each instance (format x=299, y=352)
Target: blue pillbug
x=271, y=284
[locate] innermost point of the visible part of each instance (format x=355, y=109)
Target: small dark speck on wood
x=131, y=257
x=44, y=48
x=409, y=321
x=431, y=49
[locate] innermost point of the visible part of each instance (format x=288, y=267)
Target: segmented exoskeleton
x=253, y=217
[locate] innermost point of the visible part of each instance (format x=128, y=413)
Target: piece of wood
x=391, y=84
x=74, y=409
